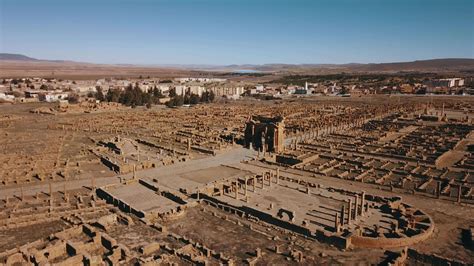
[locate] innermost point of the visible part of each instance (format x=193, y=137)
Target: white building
x=208, y=80
x=164, y=88
x=198, y=90
x=6, y=97
x=144, y=87
x=258, y=89
x=449, y=83
x=454, y=82
x=180, y=90
x=229, y=92
x=83, y=89
x=55, y=97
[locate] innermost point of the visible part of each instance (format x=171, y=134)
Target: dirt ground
x=12, y=238
x=240, y=241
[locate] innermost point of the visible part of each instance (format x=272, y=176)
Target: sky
x=223, y=32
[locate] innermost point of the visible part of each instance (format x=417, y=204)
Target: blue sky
x=238, y=32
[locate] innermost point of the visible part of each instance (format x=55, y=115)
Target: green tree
x=194, y=99
x=73, y=98
x=99, y=95
x=157, y=93
x=204, y=97
x=343, y=90
x=113, y=95
x=175, y=101
x=212, y=96
x=172, y=92
x=179, y=100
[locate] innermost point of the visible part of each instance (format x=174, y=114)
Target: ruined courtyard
x=312, y=181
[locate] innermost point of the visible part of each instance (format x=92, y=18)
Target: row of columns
x=315, y=133
x=438, y=191
x=355, y=208
x=266, y=179
x=50, y=190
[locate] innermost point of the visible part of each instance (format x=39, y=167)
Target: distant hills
x=435, y=65
x=446, y=64
x=24, y=58
x=16, y=57
x=14, y=64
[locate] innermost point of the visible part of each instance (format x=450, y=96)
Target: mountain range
x=10, y=64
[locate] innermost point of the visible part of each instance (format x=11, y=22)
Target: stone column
x=258, y=253
x=459, y=193
x=349, y=215
x=438, y=189
x=236, y=190
x=356, y=206
x=246, y=179
x=336, y=223
x=343, y=214
x=362, y=203
x=134, y=171
x=278, y=176
x=253, y=183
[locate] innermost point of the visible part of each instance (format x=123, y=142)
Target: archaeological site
x=236, y=132
x=312, y=181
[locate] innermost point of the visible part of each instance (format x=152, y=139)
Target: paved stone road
x=229, y=157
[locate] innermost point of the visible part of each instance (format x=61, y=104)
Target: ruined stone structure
x=339, y=217
x=265, y=134
x=359, y=183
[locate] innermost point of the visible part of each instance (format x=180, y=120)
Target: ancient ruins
x=265, y=134
x=313, y=181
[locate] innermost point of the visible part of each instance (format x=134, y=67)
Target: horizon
x=225, y=65
x=222, y=33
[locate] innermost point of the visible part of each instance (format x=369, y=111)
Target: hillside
x=432, y=65
x=16, y=57
x=17, y=65
x=448, y=64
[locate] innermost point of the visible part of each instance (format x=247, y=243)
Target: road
x=228, y=157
